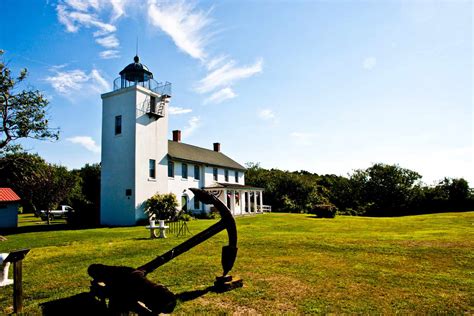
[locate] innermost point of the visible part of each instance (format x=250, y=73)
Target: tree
x=385, y=189
x=22, y=112
x=55, y=185
x=161, y=206
x=39, y=184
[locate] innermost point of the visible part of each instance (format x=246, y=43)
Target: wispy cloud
x=86, y=142
x=77, y=14
x=176, y=110
x=66, y=82
x=303, y=138
x=193, y=124
x=189, y=28
x=220, y=96
x=183, y=23
x=267, y=115
x=227, y=75
x=110, y=41
x=109, y=54
x=369, y=63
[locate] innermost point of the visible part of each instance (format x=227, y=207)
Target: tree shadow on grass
x=35, y=229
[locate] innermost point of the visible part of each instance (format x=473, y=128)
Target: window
x=214, y=172
x=236, y=176
x=196, y=203
x=152, y=169
x=226, y=175
x=170, y=169
x=184, y=171
x=197, y=173
x=118, y=125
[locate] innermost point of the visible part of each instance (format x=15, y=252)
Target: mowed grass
x=290, y=263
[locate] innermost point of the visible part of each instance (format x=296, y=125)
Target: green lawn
x=290, y=263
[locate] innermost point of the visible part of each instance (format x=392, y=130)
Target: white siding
x=151, y=143
x=118, y=158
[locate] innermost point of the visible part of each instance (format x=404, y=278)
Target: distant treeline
x=380, y=190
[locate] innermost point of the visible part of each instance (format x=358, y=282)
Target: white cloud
x=66, y=82
x=73, y=20
x=215, y=62
x=220, y=96
x=85, y=141
x=183, y=24
x=267, y=115
x=103, y=85
x=83, y=5
x=369, y=63
x=118, y=8
x=109, y=54
x=227, y=75
x=302, y=138
x=77, y=14
x=175, y=110
x=110, y=41
x=193, y=124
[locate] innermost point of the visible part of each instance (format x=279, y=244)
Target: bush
x=161, y=206
x=324, y=211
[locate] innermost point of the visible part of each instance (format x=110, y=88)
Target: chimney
x=177, y=136
x=217, y=147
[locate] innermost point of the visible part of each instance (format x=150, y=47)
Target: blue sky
x=324, y=86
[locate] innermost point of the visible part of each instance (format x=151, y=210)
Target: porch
x=240, y=199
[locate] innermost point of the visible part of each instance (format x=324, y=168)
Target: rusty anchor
x=128, y=289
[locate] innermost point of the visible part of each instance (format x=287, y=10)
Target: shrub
x=324, y=211
x=161, y=206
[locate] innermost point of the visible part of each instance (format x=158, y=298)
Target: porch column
x=240, y=202
x=232, y=202
x=261, y=200
x=255, y=201
x=247, y=202
x=224, y=197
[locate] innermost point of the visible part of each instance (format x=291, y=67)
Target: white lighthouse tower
x=134, y=144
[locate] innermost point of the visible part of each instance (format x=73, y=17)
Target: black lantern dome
x=136, y=72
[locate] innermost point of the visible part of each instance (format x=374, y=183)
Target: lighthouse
x=134, y=144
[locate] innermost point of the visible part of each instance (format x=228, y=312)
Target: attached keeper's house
x=138, y=160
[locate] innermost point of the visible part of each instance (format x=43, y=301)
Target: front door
x=184, y=203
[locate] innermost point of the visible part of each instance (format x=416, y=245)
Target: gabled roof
x=186, y=152
x=8, y=195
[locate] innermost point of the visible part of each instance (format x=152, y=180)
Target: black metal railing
x=162, y=88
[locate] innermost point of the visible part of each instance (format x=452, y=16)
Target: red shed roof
x=8, y=195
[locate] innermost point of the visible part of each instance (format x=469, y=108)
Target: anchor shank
x=183, y=247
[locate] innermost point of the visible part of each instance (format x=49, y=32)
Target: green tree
x=161, y=206
x=22, y=111
x=384, y=189
x=40, y=185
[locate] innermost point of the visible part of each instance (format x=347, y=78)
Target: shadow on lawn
x=86, y=304
x=35, y=229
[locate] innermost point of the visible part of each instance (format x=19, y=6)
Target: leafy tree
x=384, y=189
x=22, y=111
x=23, y=173
x=161, y=206
x=39, y=184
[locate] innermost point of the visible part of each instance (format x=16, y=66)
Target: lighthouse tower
x=134, y=144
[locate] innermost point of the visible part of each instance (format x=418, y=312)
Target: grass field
x=290, y=263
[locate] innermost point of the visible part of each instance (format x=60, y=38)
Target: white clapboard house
x=138, y=160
